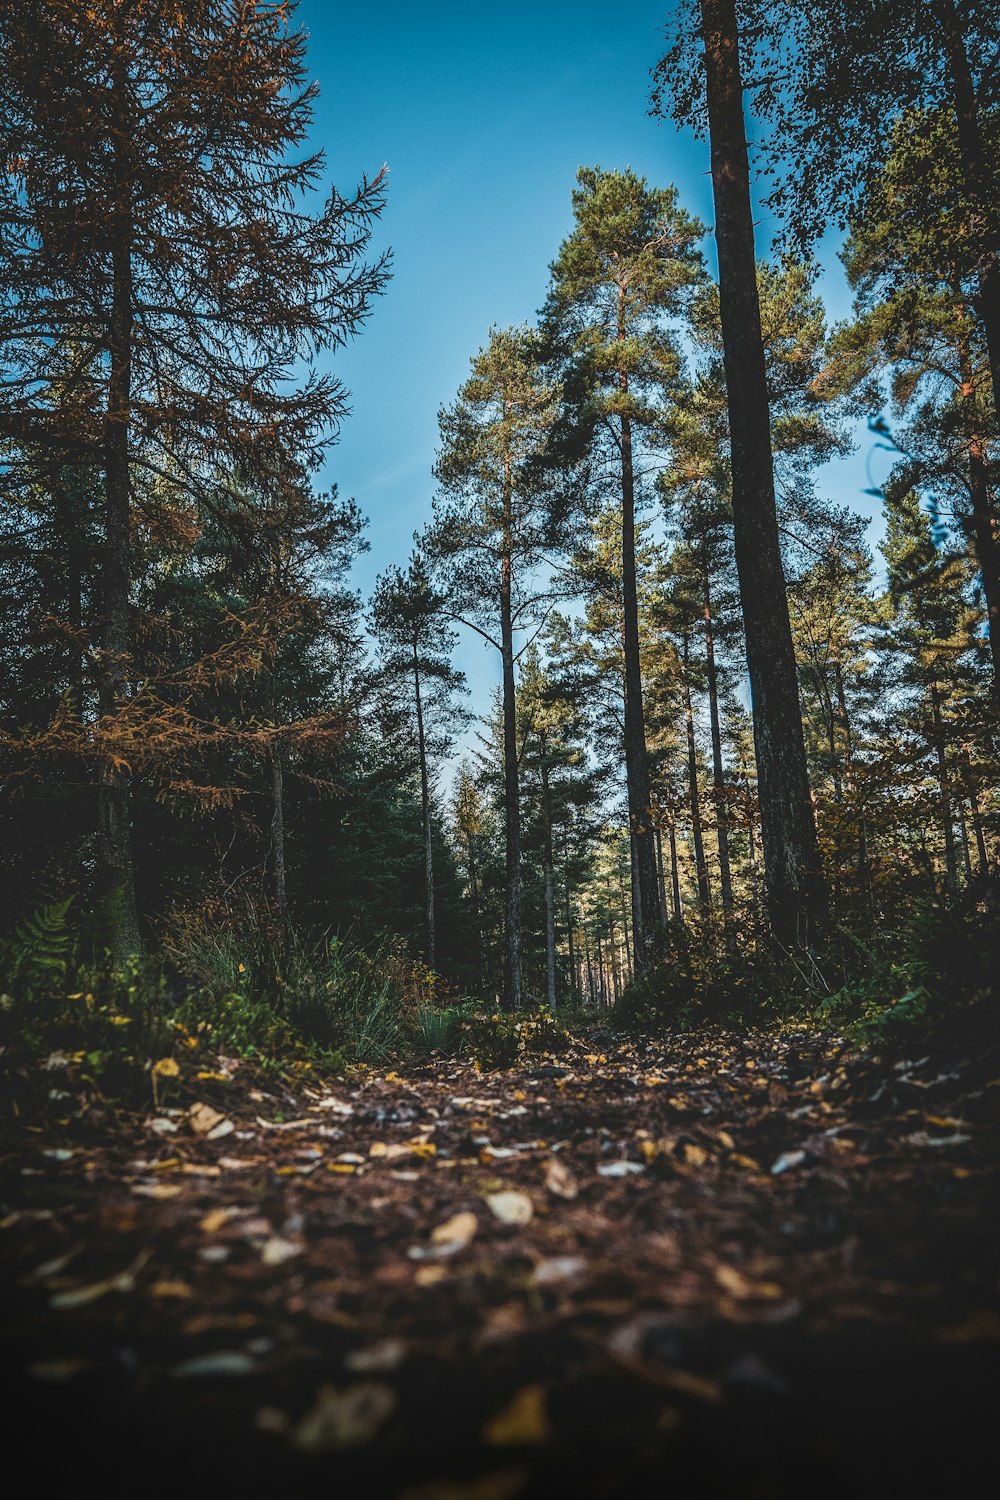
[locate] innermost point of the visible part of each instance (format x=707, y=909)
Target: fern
x=39, y=951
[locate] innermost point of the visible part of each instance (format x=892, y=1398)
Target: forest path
x=734, y=1266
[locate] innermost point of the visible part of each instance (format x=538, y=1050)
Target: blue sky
x=482, y=116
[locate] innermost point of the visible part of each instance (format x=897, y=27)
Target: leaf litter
x=606, y=1266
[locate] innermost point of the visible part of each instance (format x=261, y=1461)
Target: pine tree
x=500, y=517
x=625, y=272
x=796, y=896
x=416, y=645
x=155, y=258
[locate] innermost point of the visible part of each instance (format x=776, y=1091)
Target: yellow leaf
x=511, y=1207
x=166, y=1068
x=456, y=1232
x=524, y=1422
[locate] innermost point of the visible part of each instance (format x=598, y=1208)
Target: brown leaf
x=344, y=1419
x=559, y=1179
x=524, y=1422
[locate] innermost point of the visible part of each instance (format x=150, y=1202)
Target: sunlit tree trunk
x=795, y=889
x=425, y=808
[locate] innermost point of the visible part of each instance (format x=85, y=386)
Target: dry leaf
x=277, y=1250
x=221, y=1362
x=525, y=1421
x=344, y=1419
x=202, y=1118
x=511, y=1207
x=377, y=1359
x=157, y=1189
x=166, y=1067
x=559, y=1179
x=455, y=1233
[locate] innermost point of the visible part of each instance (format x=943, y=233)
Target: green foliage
x=36, y=957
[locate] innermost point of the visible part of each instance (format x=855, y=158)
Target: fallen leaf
x=511, y=1207
x=58, y=1369
x=787, y=1161
x=277, y=1250
x=376, y=1359
x=455, y=1233
x=524, y=1422
x=203, y=1118
x=221, y=1362
x=344, y=1419
x=213, y=1222
x=559, y=1179
x=157, y=1189
x=620, y=1168
x=218, y=1132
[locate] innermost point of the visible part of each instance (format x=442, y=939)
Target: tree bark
x=694, y=801
x=512, y=989
x=550, y=894
x=947, y=812
x=984, y=526
x=645, y=897
x=795, y=888
x=976, y=178
x=718, y=770
x=118, y=870
x=425, y=808
x=278, y=835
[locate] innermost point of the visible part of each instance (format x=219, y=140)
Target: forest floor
x=759, y=1266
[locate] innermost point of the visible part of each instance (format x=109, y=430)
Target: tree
x=791, y=857
x=915, y=322
x=500, y=516
x=626, y=269
x=160, y=273
x=416, y=646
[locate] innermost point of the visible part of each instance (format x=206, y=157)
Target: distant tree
x=160, y=281
x=502, y=518
x=622, y=276
x=416, y=644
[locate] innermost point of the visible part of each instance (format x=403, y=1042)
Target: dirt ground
x=740, y=1266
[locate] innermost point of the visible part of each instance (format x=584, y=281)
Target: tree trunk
x=795, y=889
x=947, y=814
x=645, y=898
x=675, y=878
x=661, y=878
x=550, y=895
x=512, y=994
x=700, y=862
x=718, y=770
x=278, y=834
x=425, y=808
x=975, y=811
x=976, y=179
x=569, y=923
x=984, y=526
x=118, y=871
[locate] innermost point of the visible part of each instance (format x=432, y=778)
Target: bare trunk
x=661, y=878
x=795, y=888
x=118, y=871
x=550, y=896
x=984, y=525
x=975, y=811
x=425, y=808
x=512, y=991
x=278, y=834
x=694, y=800
x=645, y=899
x=947, y=813
x=976, y=179
x=675, y=878
x=718, y=770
